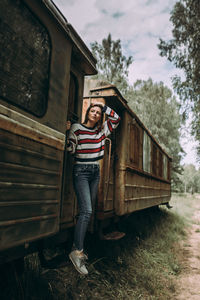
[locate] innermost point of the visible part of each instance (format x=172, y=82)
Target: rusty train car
x=135, y=171
x=43, y=62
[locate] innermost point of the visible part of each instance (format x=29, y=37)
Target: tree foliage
x=112, y=65
x=183, y=51
x=190, y=179
x=159, y=111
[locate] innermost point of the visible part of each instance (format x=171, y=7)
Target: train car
x=135, y=171
x=43, y=62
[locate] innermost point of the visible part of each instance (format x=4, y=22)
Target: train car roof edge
x=124, y=102
x=73, y=35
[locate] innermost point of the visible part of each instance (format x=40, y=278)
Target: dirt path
x=189, y=282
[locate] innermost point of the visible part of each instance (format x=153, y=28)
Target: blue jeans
x=86, y=180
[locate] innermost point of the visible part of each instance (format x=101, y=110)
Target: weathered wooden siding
x=142, y=192
x=30, y=182
x=69, y=203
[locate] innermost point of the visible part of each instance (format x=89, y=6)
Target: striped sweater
x=87, y=144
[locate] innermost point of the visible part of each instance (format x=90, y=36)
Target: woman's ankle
x=79, y=252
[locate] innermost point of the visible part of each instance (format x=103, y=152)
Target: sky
x=138, y=24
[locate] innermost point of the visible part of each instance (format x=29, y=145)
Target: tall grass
x=142, y=265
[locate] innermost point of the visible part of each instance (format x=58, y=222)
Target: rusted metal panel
x=139, y=179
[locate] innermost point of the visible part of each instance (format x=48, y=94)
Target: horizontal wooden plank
x=147, y=187
x=26, y=169
x=29, y=186
x=139, y=204
x=24, y=157
x=7, y=194
x=26, y=220
x=20, y=142
x=21, y=233
x=29, y=203
x=27, y=174
x=27, y=210
x=21, y=125
x=21, y=118
x=147, y=197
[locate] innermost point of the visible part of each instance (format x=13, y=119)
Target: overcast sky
x=138, y=24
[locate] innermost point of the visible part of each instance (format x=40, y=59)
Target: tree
x=159, y=111
x=191, y=179
x=112, y=65
x=183, y=51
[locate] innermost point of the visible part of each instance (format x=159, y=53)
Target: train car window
x=146, y=153
x=25, y=50
x=160, y=166
x=154, y=159
x=134, y=144
x=73, y=99
x=165, y=167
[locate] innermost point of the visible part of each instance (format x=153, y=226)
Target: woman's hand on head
x=68, y=125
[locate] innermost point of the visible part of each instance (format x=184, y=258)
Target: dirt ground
x=189, y=281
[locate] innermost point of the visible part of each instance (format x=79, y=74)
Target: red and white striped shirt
x=87, y=144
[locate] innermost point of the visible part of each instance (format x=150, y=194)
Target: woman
x=86, y=141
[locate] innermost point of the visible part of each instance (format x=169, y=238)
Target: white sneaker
x=78, y=261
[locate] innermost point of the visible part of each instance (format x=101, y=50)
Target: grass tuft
x=142, y=265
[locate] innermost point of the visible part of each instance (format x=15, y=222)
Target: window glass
x=165, y=165
x=146, y=153
x=24, y=58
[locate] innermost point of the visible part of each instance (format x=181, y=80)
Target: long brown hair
x=100, y=122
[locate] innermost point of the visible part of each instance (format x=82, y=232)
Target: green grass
x=142, y=265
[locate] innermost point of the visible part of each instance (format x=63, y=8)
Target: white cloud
x=78, y=12
x=138, y=24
